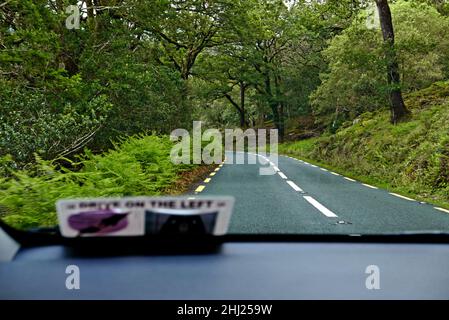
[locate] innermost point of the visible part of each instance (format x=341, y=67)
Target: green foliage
x=182, y=30
x=139, y=66
x=28, y=125
x=139, y=165
x=356, y=80
x=412, y=157
x=62, y=90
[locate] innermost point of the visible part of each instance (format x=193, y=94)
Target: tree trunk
x=280, y=108
x=240, y=110
x=90, y=9
x=60, y=5
x=398, y=108
x=273, y=103
x=243, y=122
x=281, y=122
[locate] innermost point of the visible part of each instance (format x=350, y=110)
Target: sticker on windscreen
x=136, y=216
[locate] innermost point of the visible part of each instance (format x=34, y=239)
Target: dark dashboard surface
x=237, y=271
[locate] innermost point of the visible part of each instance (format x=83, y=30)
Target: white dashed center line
x=320, y=207
x=294, y=186
x=283, y=176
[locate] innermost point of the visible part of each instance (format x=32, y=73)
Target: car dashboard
x=241, y=268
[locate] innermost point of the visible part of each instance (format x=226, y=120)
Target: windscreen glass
x=313, y=117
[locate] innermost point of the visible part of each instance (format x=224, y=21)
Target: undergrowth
x=136, y=166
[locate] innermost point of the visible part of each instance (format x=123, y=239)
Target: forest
x=89, y=91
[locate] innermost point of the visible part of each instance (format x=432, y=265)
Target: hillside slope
x=411, y=158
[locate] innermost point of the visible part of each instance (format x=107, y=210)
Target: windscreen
x=314, y=117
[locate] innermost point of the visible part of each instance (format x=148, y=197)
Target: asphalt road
x=303, y=198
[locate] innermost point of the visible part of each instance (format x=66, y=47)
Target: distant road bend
x=304, y=198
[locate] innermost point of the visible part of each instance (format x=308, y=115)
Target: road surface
x=303, y=198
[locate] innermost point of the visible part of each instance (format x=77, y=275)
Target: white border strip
x=442, y=209
x=403, y=197
x=369, y=186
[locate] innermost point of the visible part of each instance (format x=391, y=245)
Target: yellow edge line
x=200, y=188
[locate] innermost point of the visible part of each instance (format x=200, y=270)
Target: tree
x=398, y=109
x=287, y=39
x=62, y=90
x=226, y=77
x=265, y=35
x=45, y=109
x=257, y=33
x=355, y=80
x=181, y=29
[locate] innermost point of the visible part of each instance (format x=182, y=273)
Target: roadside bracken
x=136, y=166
